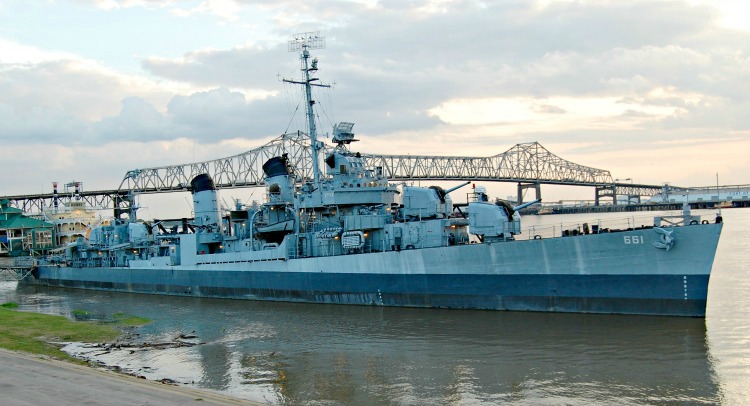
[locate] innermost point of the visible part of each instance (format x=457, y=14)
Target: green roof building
x=23, y=235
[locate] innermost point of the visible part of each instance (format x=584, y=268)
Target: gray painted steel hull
x=603, y=273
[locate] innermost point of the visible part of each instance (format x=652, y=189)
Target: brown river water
x=305, y=354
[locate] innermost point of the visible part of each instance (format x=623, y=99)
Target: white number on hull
x=633, y=239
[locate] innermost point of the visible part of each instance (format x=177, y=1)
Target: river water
x=302, y=354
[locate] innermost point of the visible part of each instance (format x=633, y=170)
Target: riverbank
x=32, y=380
x=37, y=371
x=39, y=333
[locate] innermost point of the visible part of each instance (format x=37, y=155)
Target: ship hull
x=619, y=273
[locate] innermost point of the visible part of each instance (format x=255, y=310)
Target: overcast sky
x=655, y=91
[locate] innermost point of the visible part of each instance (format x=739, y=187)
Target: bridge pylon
x=528, y=185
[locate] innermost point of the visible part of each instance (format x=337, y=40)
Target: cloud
x=225, y=9
x=137, y=121
x=48, y=125
x=414, y=76
x=117, y=4
x=426, y=55
x=250, y=67
x=214, y=115
x=15, y=53
x=64, y=84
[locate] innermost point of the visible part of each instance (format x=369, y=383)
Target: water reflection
x=285, y=353
x=727, y=314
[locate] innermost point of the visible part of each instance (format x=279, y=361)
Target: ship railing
x=105, y=261
x=588, y=226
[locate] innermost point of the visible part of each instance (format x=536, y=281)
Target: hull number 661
x=633, y=239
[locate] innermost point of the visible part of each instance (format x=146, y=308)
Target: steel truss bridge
x=120, y=200
x=529, y=165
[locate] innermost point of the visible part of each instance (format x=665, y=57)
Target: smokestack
x=54, y=195
x=279, y=179
x=205, y=204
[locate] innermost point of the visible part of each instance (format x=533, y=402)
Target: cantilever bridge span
x=529, y=164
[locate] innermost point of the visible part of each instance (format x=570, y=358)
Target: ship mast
x=304, y=42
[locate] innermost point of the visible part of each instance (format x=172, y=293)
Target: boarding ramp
x=17, y=268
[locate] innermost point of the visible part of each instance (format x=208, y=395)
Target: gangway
x=18, y=269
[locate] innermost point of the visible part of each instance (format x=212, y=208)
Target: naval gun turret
x=494, y=221
x=431, y=202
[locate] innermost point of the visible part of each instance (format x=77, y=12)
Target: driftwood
x=176, y=342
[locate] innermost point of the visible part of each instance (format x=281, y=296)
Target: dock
x=16, y=268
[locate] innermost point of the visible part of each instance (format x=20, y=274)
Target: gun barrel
x=527, y=204
x=457, y=187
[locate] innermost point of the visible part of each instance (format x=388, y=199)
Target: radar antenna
x=304, y=42
x=342, y=133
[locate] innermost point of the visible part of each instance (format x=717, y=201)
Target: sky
x=653, y=91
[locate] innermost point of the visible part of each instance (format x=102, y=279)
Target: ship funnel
x=279, y=179
x=54, y=195
x=205, y=203
x=277, y=166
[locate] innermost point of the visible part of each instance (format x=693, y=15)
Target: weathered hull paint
x=601, y=273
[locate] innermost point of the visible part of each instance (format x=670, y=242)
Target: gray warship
x=349, y=236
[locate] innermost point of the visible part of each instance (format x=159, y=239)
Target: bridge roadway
x=530, y=165
x=120, y=200
x=36, y=203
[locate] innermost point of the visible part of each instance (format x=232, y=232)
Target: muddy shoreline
x=122, y=355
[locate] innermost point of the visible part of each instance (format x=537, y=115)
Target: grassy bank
x=37, y=333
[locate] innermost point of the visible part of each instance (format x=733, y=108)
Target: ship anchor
x=667, y=239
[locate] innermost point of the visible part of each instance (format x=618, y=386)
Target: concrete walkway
x=30, y=380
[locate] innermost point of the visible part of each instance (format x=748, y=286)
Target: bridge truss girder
x=634, y=192
x=98, y=199
x=525, y=164
x=529, y=162
x=243, y=170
